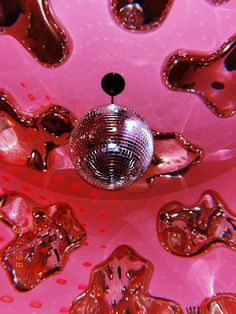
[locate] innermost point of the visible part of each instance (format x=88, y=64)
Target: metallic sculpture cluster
x=111, y=147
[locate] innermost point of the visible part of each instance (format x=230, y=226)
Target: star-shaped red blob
x=44, y=236
x=33, y=25
x=120, y=285
x=188, y=230
x=173, y=157
x=29, y=140
x=210, y=76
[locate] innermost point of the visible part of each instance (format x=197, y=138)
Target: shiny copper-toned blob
x=32, y=24
x=173, y=157
x=190, y=230
x=218, y=1
x=120, y=285
x=142, y=15
x=44, y=236
x=28, y=140
x=212, y=77
x=220, y=304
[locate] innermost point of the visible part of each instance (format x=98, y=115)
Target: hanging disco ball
x=111, y=147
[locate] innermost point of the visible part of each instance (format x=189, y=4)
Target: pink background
x=101, y=46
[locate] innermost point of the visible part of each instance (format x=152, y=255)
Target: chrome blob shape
x=33, y=25
x=217, y=2
x=219, y=303
x=29, y=140
x=119, y=285
x=111, y=147
x=44, y=237
x=188, y=230
x=144, y=15
x=210, y=76
x=173, y=157
x=140, y=15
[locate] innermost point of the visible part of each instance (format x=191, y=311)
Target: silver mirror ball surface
x=111, y=147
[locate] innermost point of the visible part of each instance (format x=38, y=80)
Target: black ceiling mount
x=113, y=84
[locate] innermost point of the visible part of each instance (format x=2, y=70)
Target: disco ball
x=111, y=147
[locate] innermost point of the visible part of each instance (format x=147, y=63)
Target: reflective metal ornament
x=140, y=15
x=111, y=146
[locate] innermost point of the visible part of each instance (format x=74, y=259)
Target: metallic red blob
x=188, y=230
x=210, y=76
x=29, y=140
x=143, y=15
x=140, y=15
x=33, y=25
x=173, y=157
x=221, y=303
x=44, y=237
x=218, y=1
x=120, y=285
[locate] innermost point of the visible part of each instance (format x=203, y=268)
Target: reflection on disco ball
x=111, y=146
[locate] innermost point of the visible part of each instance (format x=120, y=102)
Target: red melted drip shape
x=44, y=236
x=173, y=157
x=143, y=15
x=220, y=304
x=218, y=1
x=140, y=15
x=190, y=230
x=28, y=140
x=120, y=285
x=212, y=77
x=32, y=24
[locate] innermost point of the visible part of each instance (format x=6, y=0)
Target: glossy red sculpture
x=222, y=303
x=44, y=236
x=173, y=157
x=143, y=15
x=33, y=25
x=140, y=15
x=120, y=285
x=218, y=1
x=210, y=76
x=188, y=230
x=29, y=140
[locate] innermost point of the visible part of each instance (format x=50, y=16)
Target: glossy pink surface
x=100, y=46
